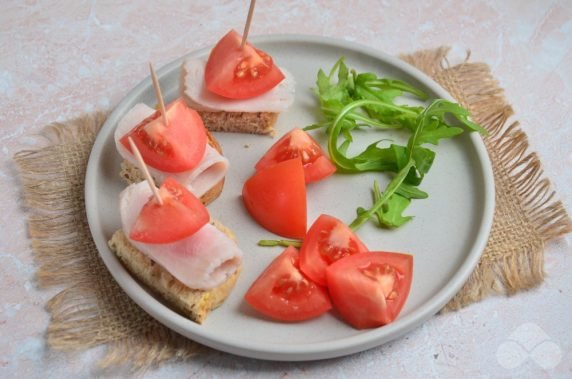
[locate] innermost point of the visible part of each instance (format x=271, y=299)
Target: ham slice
x=209, y=172
x=276, y=100
x=202, y=261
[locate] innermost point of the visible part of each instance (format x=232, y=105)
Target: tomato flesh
x=299, y=144
x=327, y=241
x=181, y=215
x=276, y=198
x=283, y=293
x=240, y=73
x=369, y=289
x=176, y=147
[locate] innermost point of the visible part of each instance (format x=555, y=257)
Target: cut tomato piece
x=276, y=198
x=370, y=289
x=181, y=215
x=240, y=73
x=299, y=144
x=177, y=147
x=327, y=241
x=283, y=293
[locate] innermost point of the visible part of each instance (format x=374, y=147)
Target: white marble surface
x=62, y=58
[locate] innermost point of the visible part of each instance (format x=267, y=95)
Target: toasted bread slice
x=240, y=122
x=131, y=174
x=192, y=303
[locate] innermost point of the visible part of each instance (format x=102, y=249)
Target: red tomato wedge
x=177, y=147
x=299, y=144
x=240, y=73
x=181, y=215
x=369, y=289
x=327, y=241
x=276, y=198
x=283, y=293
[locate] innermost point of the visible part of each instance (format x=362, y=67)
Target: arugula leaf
x=390, y=215
x=357, y=100
x=411, y=192
x=434, y=127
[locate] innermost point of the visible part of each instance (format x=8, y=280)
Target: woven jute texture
x=93, y=310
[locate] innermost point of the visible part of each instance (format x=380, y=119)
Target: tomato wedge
x=299, y=144
x=276, y=198
x=327, y=241
x=177, y=147
x=370, y=289
x=181, y=215
x=240, y=73
x=283, y=293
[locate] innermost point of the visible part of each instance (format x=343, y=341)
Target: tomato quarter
x=327, y=241
x=299, y=144
x=240, y=73
x=369, y=289
x=181, y=215
x=177, y=147
x=283, y=293
x=276, y=198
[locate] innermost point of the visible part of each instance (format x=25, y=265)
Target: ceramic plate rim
x=320, y=350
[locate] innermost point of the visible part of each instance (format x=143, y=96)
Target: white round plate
x=446, y=237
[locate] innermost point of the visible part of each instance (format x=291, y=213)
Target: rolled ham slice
x=209, y=172
x=202, y=261
x=200, y=98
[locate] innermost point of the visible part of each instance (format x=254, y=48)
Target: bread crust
x=192, y=303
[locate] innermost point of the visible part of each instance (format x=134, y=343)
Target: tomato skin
x=283, y=293
x=181, y=215
x=276, y=198
x=177, y=147
x=369, y=289
x=237, y=73
x=327, y=241
x=299, y=144
x=320, y=169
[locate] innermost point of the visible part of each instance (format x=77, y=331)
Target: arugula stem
x=283, y=243
x=358, y=117
x=372, y=122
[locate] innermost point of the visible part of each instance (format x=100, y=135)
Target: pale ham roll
x=200, y=98
x=202, y=261
x=209, y=172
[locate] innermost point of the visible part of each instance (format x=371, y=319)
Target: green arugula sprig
x=357, y=100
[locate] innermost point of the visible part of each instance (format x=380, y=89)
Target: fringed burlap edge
x=517, y=172
x=76, y=324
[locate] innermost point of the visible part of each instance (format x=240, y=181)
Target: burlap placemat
x=93, y=310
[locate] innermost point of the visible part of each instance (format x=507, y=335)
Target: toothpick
x=158, y=94
x=247, y=26
x=143, y=167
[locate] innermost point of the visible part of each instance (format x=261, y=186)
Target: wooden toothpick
x=247, y=26
x=162, y=109
x=143, y=167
